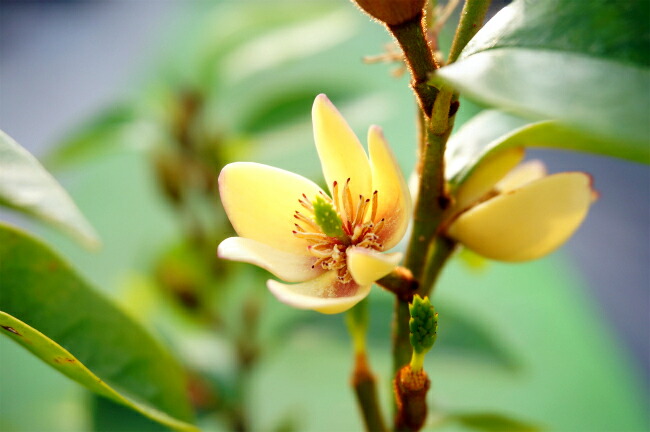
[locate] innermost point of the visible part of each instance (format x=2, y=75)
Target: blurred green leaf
x=53, y=313
x=276, y=109
x=584, y=64
x=315, y=33
x=118, y=128
x=460, y=335
x=27, y=187
x=463, y=336
x=490, y=422
x=240, y=39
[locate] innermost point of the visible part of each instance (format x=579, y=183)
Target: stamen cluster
x=357, y=224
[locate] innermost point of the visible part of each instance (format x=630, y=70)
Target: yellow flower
x=520, y=214
x=332, y=245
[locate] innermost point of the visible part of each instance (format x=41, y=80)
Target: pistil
x=331, y=225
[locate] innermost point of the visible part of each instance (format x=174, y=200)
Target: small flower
x=331, y=244
x=520, y=216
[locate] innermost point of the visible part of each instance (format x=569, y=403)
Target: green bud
x=327, y=218
x=423, y=324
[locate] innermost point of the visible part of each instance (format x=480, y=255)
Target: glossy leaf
x=600, y=28
x=48, y=309
x=470, y=143
x=493, y=131
x=27, y=187
x=584, y=64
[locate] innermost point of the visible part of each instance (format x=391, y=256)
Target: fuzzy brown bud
x=392, y=12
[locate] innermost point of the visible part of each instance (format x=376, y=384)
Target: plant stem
x=400, y=282
x=426, y=253
x=432, y=200
x=401, y=332
x=441, y=251
x=438, y=253
x=471, y=20
x=365, y=389
x=411, y=37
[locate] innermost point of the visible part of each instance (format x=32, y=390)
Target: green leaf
x=493, y=131
x=616, y=30
x=287, y=104
x=120, y=127
x=466, y=337
x=26, y=186
x=584, y=64
x=49, y=310
x=462, y=336
x=553, y=134
x=273, y=33
x=490, y=422
x=110, y=416
x=467, y=147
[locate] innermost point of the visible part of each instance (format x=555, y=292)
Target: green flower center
x=327, y=218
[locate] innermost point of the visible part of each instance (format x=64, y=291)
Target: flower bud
x=528, y=222
x=392, y=12
x=423, y=324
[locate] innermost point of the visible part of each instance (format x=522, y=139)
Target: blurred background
x=86, y=85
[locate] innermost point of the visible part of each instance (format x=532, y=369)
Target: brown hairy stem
x=411, y=37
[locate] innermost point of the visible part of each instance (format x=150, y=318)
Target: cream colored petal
x=367, y=265
x=486, y=175
x=324, y=294
x=527, y=223
x=522, y=175
x=287, y=266
x=339, y=149
x=260, y=202
x=394, y=204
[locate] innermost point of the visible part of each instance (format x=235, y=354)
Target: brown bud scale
x=392, y=12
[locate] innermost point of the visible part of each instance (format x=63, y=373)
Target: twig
x=471, y=20
x=411, y=38
x=365, y=389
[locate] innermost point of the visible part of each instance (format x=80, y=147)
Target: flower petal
x=526, y=223
x=394, y=198
x=483, y=178
x=367, y=265
x=260, y=202
x=287, y=266
x=522, y=175
x=324, y=294
x=339, y=149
